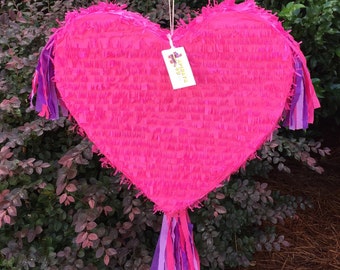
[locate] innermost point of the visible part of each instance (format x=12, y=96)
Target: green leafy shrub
x=60, y=209
x=316, y=23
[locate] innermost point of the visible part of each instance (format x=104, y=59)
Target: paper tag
x=178, y=67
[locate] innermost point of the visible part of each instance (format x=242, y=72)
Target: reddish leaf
x=61, y=254
x=71, y=173
x=71, y=188
x=4, y=170
x=29, y=171
x=60, y=189
x=30, y=161
x=136, y=210
x=92, y=203
x=91, y=214
x=5, y=192
x=12, y=211
x=38, y=163
x=127, y=209
x=127, y=225
x=45, y=165
x=42, y=185
x=4, y=204
x=220, y=196
x=107, y=209
x=220, y=209
x=38, y=230
x=137, y=202
x=22, y=234
x=7, y=219
x=327, y=151
x=80, y=226
x=99, y=209
x=264, y=185
x=82, y=217
x=281, y=166
x=91, y=225
x=273, y=145
x=285, y=243
x=111, y=251
x=92, y=237
x=31, y=236
x=100, y=252
x=319, y=170
x=106, y=259
x=61, y=176
x=311, y=161
x=87, y=244
x=65, y=160
x=4, y=148
x=8, y=155
x=70, y=198
x=107, y=240
x=38, y=170
x=81, y=237
x=62, y=198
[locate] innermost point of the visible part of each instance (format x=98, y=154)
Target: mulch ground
x=314, y=234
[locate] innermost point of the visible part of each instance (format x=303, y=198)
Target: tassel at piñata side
x=44, y=87
x=176, y=249
x=303, y=100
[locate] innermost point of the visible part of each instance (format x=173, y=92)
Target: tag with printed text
x=178, y=67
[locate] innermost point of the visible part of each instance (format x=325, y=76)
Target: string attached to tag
x=171, y=21
x=170, y=41
x=176, y=60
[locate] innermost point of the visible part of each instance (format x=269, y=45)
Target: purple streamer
x=47, y=96
x=297, y=92
x=177, y=245
x=155, y=260
x=172, y=227
x=297, y=116
x=305, y=111
x=158, y=261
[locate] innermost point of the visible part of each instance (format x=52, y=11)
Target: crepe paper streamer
x=301, y=109
x=43, y=85
x=176, y=248
x=104, y=65
x=47, y=96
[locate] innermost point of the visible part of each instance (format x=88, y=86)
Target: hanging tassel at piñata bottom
x=176, y=249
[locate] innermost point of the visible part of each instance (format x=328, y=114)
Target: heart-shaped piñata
x=175, y=146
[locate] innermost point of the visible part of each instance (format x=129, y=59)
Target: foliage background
x=59, y=209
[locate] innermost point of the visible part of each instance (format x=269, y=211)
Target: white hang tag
x=178, y=67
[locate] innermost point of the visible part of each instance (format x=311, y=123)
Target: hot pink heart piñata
x=105, y=66
x=176, y=146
